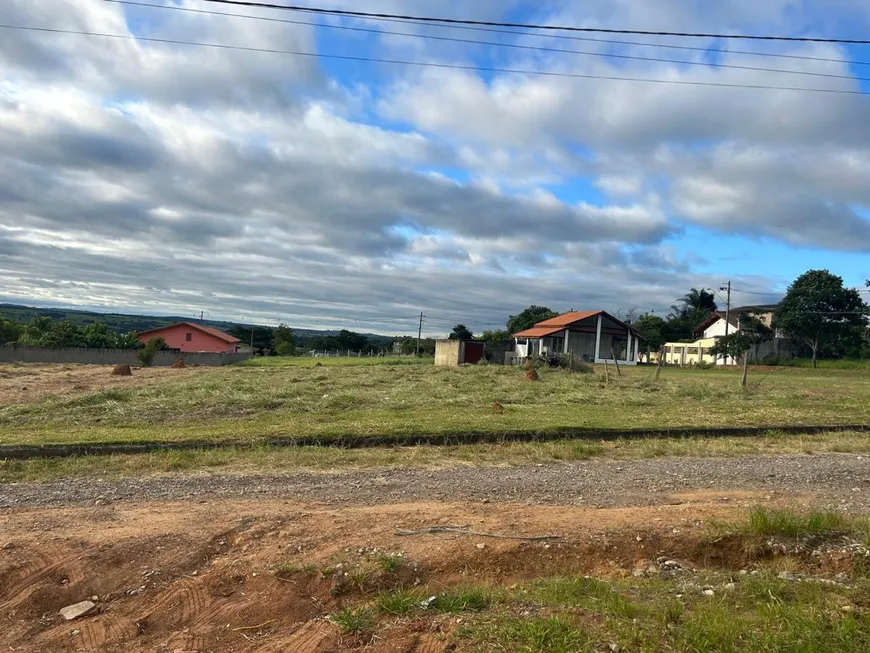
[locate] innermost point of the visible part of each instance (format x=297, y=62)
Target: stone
x=8, y=546
x=77, y=610
x=847, y=608
x=786, y=575
x=709, y=593
x=481, y=545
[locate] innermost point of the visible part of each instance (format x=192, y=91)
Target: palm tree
x=697, y=301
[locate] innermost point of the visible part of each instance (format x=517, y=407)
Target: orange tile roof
x=193, y=325
x=565, y=319
x=538, y=332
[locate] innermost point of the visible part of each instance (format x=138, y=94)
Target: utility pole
x=727, y=314
x=419, y=334
x=252, y=337
x=201, y=314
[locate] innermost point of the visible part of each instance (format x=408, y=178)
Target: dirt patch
x=23, y=382
x=264, y=575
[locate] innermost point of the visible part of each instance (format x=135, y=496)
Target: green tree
x=97, y=334
x=819, y=311
x=698, y=301
x=38, y=326
x=129, y=340
x=529, y=318
x=285, y=340
x=149, y=351
x=10, y=331
x=461, y=332
x=651, y=330
x=495, y=338
x=263, y=340
x=62, y=334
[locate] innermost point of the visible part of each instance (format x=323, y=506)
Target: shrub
x=146, y=354
x=704, y=365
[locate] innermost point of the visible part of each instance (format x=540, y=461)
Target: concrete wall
x=447, y=352
x=27, y=354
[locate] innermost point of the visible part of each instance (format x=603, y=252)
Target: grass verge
x=263, y=459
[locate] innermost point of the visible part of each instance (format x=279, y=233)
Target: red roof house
x=189, y=336
x=593, y=336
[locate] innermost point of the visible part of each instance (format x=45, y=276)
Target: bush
x=146, y=354
x=705, y=365
x=772, y=360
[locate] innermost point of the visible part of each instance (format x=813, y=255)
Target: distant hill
x=123, y=322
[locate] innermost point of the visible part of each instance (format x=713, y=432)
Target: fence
x=89, y=356
x=348, y=353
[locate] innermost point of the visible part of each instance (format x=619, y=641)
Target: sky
x=161, y=178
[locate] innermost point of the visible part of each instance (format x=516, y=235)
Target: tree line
x=42, y=331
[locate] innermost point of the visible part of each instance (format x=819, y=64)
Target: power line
x=428, y=64
x=451, y=39
x=507, y=31
x=561, y=28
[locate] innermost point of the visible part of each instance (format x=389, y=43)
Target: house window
x=188, y=337
x=693, y=351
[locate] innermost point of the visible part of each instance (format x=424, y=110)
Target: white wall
x=718, y=329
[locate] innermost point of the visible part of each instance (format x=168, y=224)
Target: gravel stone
x=596, y=483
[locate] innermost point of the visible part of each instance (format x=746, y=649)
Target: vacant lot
x=280, y=397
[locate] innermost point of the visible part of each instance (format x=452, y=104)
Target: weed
x=354, y=621
x=462, y=600
x=104, y=397
x=790, y=523
x=539, y=635
x=585, y=592
x=397, y=602
x=390, y=563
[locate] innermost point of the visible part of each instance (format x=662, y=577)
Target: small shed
x=452, y=353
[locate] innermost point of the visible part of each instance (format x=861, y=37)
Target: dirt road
x=254, y=563
x=839, y=479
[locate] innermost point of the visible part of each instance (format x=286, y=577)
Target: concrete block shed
x=453, y=353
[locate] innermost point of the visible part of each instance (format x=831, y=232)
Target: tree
x=10, y=331
x=651, y=330
x=97, y=335
x=285, y=340
x=698, y=301
x=62, y=334
x=461, y=332
x=495, y=338
x=263, y=340
x=38, y=326
x=529, y=318
x=149, y=351
x=818, y=311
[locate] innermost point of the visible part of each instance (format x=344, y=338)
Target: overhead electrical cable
x=431, y=64
x=563, y=28
x=435, y=37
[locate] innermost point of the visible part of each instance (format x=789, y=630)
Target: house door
x=473, y=352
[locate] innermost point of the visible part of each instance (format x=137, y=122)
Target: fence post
x=661, y=360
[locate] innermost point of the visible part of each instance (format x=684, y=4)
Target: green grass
x=262, y=458
x=848, y=364
x=290, y=397
x=398, y=602
x=354, y=621
x=748, y=614
x=462, y=600
x=789, y=523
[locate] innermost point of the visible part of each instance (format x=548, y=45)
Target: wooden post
x=745, y=369
x=661, y=360
x=615, y=362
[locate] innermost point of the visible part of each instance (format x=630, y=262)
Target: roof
x=226, y=337
x=762, y=308
x=560, y=322
x=538, y=332
x=565, y=319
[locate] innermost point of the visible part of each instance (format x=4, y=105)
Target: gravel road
x=838, y=479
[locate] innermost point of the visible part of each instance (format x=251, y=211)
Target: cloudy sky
x=156, y=177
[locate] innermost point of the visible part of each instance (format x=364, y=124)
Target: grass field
x=358, y=397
